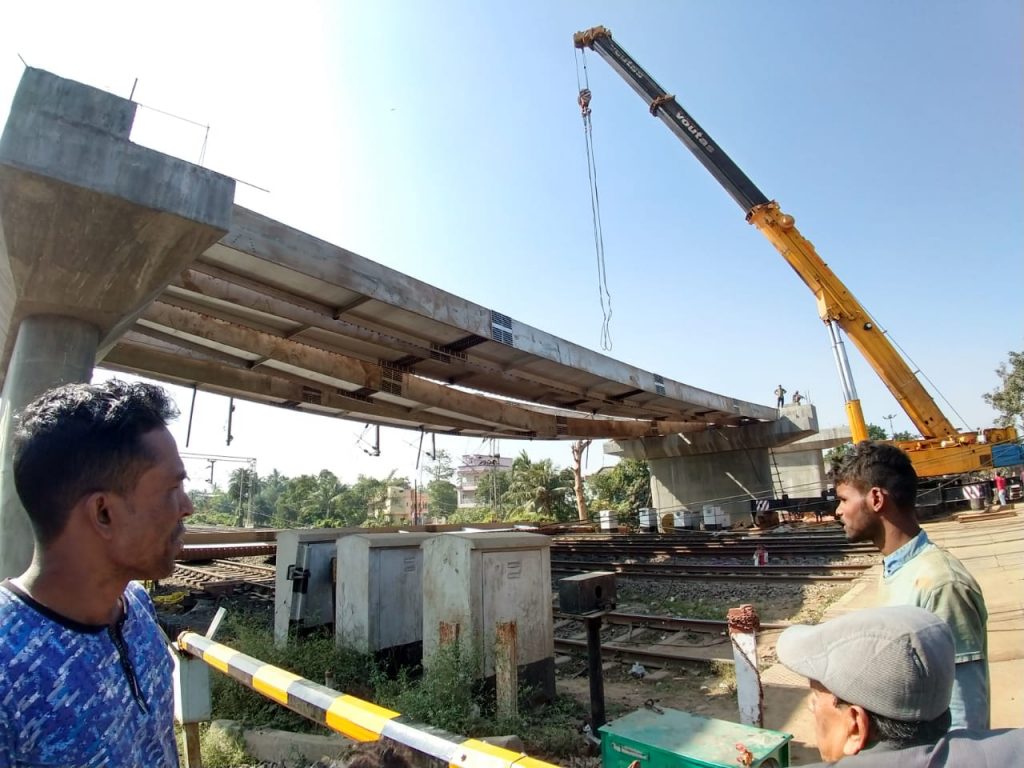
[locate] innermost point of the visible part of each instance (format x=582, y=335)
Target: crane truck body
x=942, y=449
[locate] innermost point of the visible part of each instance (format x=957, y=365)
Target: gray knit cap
x=897, y=662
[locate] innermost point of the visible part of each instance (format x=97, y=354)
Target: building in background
x=402, y=506
x=475, y=471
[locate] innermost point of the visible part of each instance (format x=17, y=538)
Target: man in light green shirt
x=877, y=490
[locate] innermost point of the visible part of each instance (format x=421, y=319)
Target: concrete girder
x=264, y=386
x=350, y=370
x=209, y=362
x=227, y=287
x=318, y=260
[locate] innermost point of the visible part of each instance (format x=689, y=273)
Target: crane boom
x=837, y=307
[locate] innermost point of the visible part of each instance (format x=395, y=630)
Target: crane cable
x=595, y=203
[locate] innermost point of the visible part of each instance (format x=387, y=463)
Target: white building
x=474, y=472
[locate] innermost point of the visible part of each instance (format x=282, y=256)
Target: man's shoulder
x=936, y=566
x=978, y=749
x=14, y=616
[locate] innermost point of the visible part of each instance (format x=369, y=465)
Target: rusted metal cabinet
x=475, y=582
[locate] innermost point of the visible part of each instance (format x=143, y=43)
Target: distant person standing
x=797, y=398
x=760, y=556
x=780, y=395
x=877, y=489
x=1001, y=488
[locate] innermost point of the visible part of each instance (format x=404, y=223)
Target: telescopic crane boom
x=943, y=449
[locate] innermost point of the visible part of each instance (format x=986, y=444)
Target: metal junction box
x=586, y=592
x=674, y=739
x=472, y=582
x=380, y=593
x=304, y=582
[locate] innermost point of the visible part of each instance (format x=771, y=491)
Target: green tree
x=1008, y=398
x=212, y=508
x=624, y=488
x=491, y=490
x=834, y=456
x=243, y=486
x=441, y=466
x=265, y=506
x=368, y=497
x=540, y=489
x=442, y=497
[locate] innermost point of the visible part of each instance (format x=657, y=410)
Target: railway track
x=691, y=639
x=739, y=548
x=225, y=576
x=210, y=551
x=702, y=572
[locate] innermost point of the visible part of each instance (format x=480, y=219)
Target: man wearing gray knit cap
x=880, y=678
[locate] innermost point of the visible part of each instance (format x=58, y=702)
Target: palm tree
x=536, y=486
x=322, y=502
x=243, y=486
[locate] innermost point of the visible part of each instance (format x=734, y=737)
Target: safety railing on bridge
x=348, y=715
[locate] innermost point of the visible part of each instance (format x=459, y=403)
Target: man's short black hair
x=879, y=465
x=81, y=438
x=901, y=734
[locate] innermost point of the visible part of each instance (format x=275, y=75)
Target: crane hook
x=584, y=101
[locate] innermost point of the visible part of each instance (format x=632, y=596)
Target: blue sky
x=443, y=140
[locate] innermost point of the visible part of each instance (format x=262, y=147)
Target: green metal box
x=674, y=739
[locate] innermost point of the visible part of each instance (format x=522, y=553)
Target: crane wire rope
x=920, y=372
x=595, y=203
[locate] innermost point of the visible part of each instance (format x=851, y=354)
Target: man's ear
x=858, y=727
x=876, y=498
x=97, y=508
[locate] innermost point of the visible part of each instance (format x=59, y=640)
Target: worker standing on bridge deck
x=780, y=395
x=85, y=668
x=877, y=489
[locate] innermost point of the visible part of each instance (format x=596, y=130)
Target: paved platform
x=993, y=551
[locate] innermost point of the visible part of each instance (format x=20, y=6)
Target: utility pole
x=892, y=432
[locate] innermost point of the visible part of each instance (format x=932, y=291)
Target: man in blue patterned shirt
x=86, y=672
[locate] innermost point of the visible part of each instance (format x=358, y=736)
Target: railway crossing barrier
x=345, y=714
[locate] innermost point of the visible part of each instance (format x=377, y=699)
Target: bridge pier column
x=724, y=466
x=92, y=228
x=49, y=350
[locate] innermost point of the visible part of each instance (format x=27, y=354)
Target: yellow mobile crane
x=943, y=449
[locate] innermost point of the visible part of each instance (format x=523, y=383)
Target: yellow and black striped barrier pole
x=349, y=715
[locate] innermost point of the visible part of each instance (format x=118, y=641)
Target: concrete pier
x=92, y=228
x=49, y=350
x=721, y=467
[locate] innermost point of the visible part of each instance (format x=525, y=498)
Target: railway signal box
x=586, y=592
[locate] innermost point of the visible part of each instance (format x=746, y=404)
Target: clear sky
x=443, y=139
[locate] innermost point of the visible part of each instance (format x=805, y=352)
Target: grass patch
x=447, y=694
x=725, y=673
x=312, y=658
